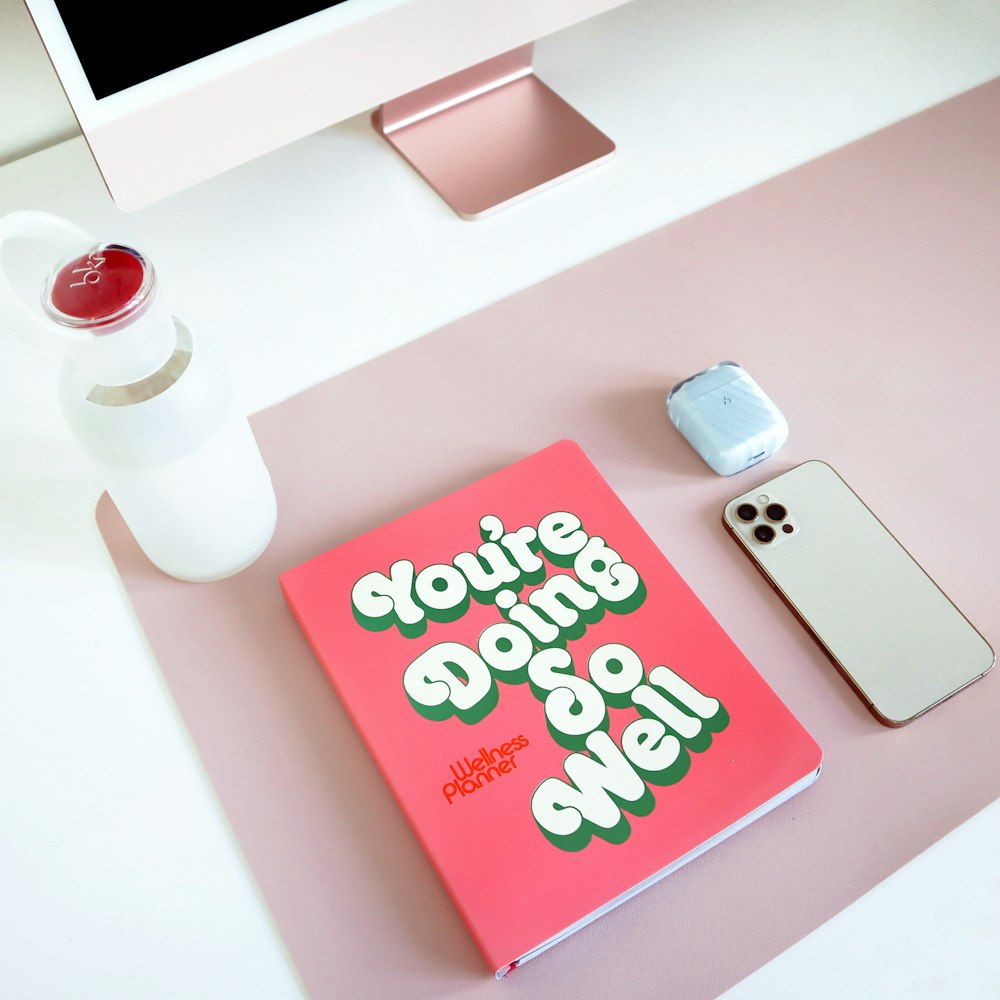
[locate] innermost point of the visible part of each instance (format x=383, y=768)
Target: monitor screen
x=182, y=33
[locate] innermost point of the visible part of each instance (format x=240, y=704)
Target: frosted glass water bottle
x=149, y=401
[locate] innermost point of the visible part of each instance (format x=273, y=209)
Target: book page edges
x=749, y=818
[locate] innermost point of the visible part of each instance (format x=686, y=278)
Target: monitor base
x=491, y=135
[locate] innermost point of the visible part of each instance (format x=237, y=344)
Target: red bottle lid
x=99, y=287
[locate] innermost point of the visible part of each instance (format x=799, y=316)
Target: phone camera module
x=764, y=533
x=776, y=512
x=746, y=512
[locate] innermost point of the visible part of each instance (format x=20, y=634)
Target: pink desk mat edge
x=860, y=291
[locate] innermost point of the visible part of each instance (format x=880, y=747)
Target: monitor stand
x=491, y=135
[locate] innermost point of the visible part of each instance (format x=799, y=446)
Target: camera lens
x=746, y=512
x=763, y=533
x=776, y=512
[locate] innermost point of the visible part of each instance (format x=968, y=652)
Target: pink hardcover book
x=560, y=718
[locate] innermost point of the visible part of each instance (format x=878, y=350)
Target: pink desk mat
x=862, y=291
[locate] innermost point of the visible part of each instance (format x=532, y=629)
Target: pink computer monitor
x=156, y=128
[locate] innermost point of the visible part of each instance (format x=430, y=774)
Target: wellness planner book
x=560, y=718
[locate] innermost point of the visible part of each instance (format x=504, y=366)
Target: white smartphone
x=891, y=631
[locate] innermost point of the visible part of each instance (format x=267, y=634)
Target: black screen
x=121, y=44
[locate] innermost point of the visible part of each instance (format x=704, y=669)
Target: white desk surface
x=119, y=877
